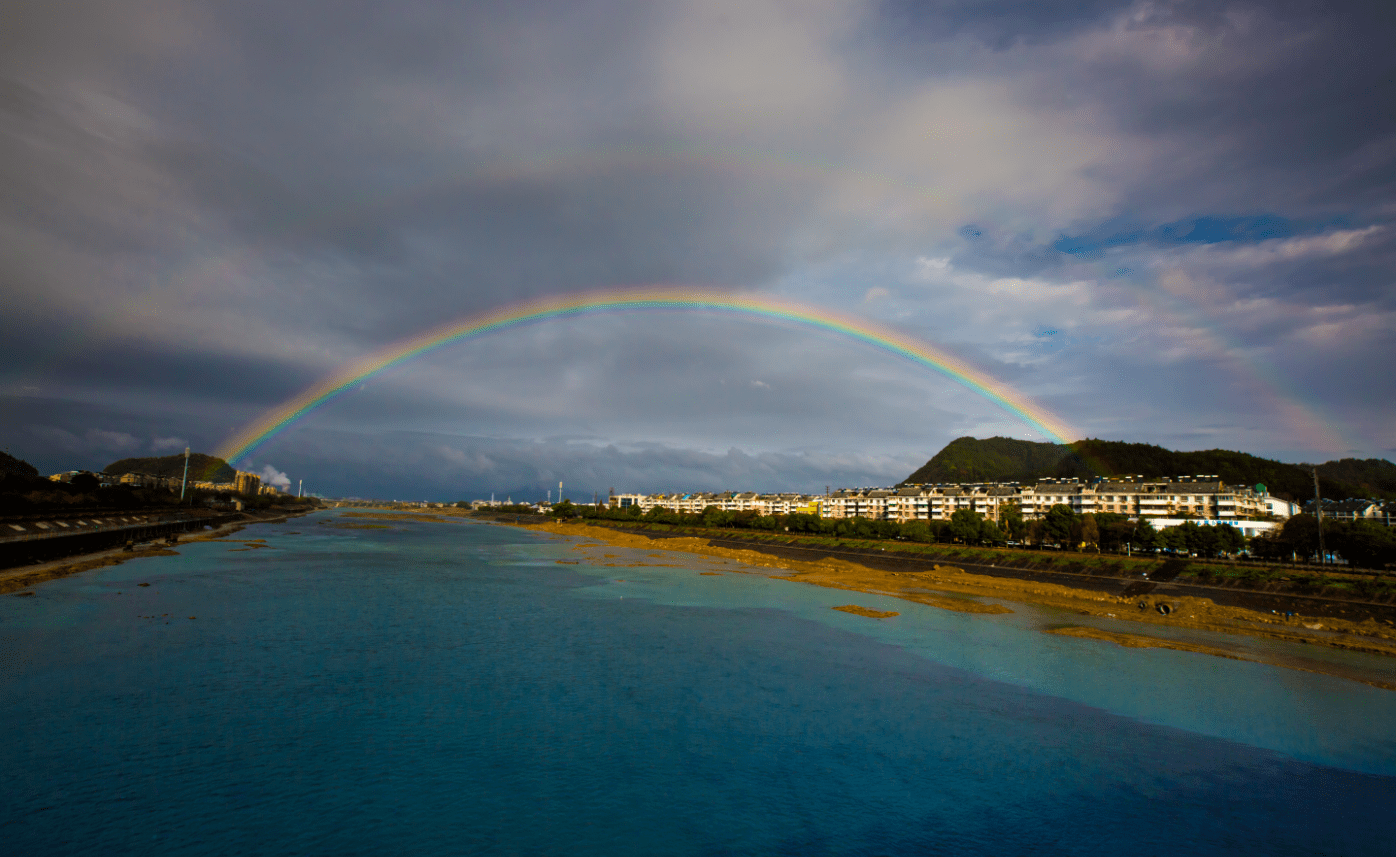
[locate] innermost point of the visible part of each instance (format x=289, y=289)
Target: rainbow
x=287, y=414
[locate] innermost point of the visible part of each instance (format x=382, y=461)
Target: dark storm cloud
x=59, y=434
x=1271, y=107
x=444, y=467
x=206, y=206
x=1000, y=25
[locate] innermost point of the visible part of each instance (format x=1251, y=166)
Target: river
x=454, y=688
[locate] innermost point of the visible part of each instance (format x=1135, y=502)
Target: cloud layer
x=1167, y=222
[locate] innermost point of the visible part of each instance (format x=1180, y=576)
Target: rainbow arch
x=283, y=416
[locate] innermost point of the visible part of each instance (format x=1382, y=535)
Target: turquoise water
x=451, y=688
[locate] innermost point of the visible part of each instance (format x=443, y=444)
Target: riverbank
x=952, y=588
x=14, y=580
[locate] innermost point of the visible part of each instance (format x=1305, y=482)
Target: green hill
x=995, y=459
x=202, y=467
x=1002, y=459
x=1375, y=477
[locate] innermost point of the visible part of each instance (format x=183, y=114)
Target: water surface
x=452, y=688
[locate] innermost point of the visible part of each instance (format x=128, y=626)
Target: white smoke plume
x=272, y=476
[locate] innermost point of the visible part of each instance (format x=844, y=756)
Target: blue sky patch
x=1194, y=230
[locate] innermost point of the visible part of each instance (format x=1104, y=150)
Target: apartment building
x=247, y=483
x=727, y=501
x=1180, y=496
x=1193, y=497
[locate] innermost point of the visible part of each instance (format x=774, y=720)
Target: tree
x=1232, y=540
x=1300, y=534
x=1364, y=543
x=853, y=528
x=1090, y=531
x=989, y=532
x=715, y=517
x=1173, y=540
x=1114, y=529
x=1270, y=545
x=1011, y=521
x=84, y=483
x=1202, y=541
x=1058, y=523
x=1144, y=537
x=1037, y=531
x=659, y=515
x=964, y=525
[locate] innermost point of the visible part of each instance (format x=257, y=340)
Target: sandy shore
x=950, y=588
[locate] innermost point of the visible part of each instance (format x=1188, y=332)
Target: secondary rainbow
x=282, y=417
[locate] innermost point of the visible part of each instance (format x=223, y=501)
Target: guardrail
x=56, y=527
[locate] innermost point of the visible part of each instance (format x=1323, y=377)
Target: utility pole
x=185, y=483
x=1318, y=514
x=559, y=490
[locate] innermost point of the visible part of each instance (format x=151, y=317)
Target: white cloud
x=161, y=444
x=1273, y=251
x=117, y=441
x=928, y=268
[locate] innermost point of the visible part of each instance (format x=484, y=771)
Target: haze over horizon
x=1168, y=223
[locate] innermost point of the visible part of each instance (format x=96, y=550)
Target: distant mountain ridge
x=205, y=468
x=1005, y=459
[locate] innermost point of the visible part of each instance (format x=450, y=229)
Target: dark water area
x=452, y=689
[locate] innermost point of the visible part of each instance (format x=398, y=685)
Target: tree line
x=1362, y=543
x=1060, y=527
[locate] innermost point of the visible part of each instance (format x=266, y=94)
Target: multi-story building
x=1182, y=497
x=728, y=501
x=247, y=483
x=1179, y=497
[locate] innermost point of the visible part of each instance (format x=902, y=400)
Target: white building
x=1198, y=498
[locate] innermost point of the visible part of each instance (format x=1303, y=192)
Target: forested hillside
x=994, y=459
x=1374, y=477
x=1002, y=459
x=202, y=467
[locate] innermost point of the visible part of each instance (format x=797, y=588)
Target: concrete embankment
x=43, y=538
x=73, y=543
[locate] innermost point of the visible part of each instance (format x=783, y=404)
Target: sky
x=1168, y=223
